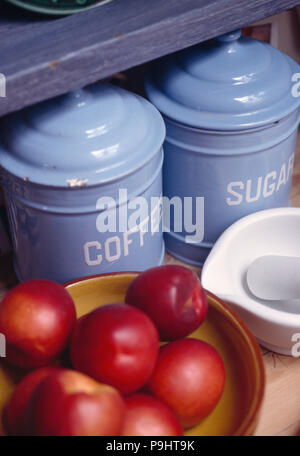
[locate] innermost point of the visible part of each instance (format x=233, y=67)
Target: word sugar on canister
x=231, y=108
x=73, y=168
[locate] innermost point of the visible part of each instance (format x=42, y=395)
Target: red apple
x=146, y=416
x=36, y=318
x=17, y=404
x=68, y=403
x=116, y=344
x=189, y=377
x=172, y=296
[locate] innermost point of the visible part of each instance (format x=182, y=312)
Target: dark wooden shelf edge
x=42, y=59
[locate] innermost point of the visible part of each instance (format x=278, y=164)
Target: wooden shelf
x=42, y=57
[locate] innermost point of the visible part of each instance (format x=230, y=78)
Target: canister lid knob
x=231, y=36
x=76, y=98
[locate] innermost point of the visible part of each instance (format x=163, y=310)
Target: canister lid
x=87, y=137
x=229, y=83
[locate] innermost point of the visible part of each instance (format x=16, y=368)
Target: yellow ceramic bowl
x=238, y=410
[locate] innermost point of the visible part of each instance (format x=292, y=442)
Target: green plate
x=58, y=6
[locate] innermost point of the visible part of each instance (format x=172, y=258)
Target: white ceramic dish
x=276, y=324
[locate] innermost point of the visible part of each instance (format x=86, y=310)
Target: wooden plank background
x=43, y=57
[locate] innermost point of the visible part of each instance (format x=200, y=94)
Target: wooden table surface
x=280, y=414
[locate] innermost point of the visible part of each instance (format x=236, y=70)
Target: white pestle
x=275, y=277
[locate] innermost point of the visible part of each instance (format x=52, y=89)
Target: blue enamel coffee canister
x=231, y=108
x=83, y=183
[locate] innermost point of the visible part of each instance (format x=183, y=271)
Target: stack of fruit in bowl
x=124, y=369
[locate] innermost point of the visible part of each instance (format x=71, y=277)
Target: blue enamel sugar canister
x=83, y=184
x=231, y=108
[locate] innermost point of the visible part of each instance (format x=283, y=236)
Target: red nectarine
x=116, y=344
x=146, y=416
x=36, y=318
x=189, y=377
x=15, y=410
x=172, y=296
x=69, y=403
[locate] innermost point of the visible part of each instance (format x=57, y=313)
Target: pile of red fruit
x=122, y=383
